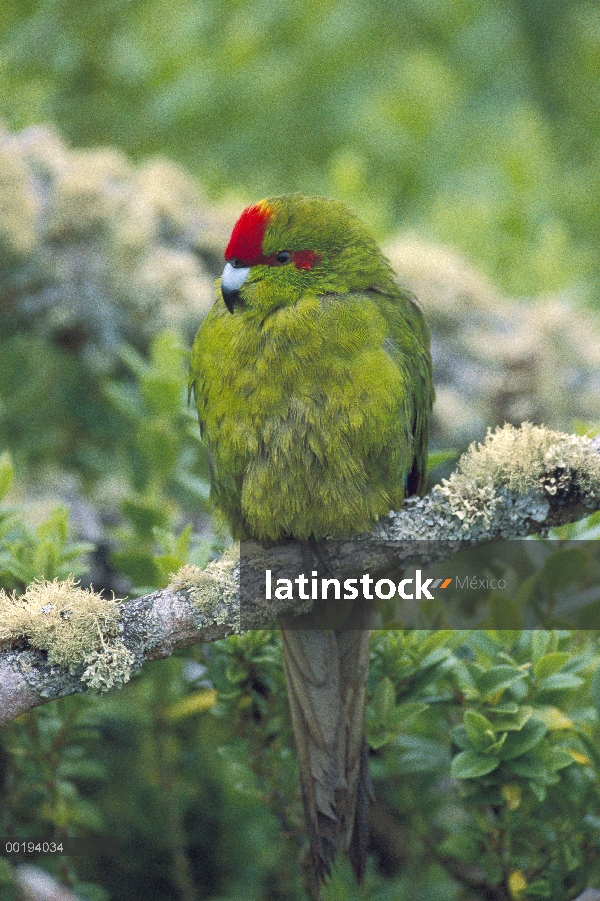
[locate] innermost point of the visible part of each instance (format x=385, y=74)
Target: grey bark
x=153, y=626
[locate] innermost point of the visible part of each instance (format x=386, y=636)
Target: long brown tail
x=326, y=673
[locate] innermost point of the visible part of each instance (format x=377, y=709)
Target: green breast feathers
x=314, y=405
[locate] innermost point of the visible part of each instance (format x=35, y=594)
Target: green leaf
x=550, y=664
x=513, y=722
x=464, y=847
x=554, y=718
x=497, y=745
x=540, y=640
x=588, y=617
x=498, y=678
x=377, y=737
x=434, y=658
x=559, y=758
x=402, y=714
x=528, y=766
x=383, y=718
x=527, y=590
x=436, y=639
x=182, y=543
x=519, y=743
x=383, y=700
x=168, y=564
x=479, y=729
x=538, y=789
x=508, y=708
x=421, y=755
x=460, y=738
x=45, y=561
x=6, y=872
x=471, y=765
x=464, y=678
x=538, y=888
x=560, y=682
x=145, y=513
x=13, y=566
x=572, y=855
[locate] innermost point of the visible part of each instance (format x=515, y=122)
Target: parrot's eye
x=237, y=264
x=283, y=257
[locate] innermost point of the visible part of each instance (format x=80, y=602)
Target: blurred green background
x=474, y=124
x=476, y=121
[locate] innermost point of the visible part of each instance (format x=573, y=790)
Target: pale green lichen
x=212, y=590
x=187, y=577
x=75, y=626
x=520, y=460
x=109, y=667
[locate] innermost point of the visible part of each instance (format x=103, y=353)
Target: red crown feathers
x=247, y=236
x=245, y=244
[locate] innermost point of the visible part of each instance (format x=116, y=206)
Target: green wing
x=408, y=345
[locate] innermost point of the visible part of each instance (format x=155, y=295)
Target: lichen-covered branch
x=198, y=606
x=59, y=639
x=520, y=481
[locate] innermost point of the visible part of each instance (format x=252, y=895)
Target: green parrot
x=313, y=383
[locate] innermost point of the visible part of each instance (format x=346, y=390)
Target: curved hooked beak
x=231, y=281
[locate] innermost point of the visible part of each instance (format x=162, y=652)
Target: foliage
x=475, y=120
x=95, y=253
x=44, y=552
x=163, y=465
x=145, y=485
x=474, y=737
x=520, y=711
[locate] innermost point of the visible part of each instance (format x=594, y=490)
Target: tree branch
x=519, y=482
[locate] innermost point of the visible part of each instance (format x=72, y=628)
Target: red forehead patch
x=247, y=236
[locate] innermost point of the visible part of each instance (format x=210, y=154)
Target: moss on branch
x=517, y=482
x=76, y=627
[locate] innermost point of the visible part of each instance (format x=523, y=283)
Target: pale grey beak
x=231, y=281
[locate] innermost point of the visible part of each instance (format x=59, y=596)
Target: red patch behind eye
x=247, y=236
x=306, y=259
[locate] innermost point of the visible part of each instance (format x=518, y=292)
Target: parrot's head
x=283, y=247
